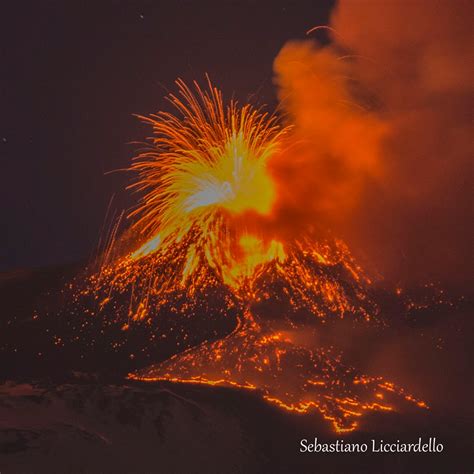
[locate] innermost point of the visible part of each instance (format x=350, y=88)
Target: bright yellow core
x=236, y=181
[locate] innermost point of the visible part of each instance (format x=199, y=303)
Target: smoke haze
x=381, y=146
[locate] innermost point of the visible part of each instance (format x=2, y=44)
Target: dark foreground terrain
x=70, y=409
x=91, y=427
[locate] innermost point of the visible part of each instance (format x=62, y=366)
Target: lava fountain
x=205, y=196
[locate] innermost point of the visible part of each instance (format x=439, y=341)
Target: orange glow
x=253, y=254
x=252, y=358
x=208, y=164
x=202, y=182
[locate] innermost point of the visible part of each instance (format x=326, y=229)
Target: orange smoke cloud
x=334, y=146
x=381, y=146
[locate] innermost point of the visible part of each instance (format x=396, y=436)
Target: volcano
x=87, y=392
x=201, y=287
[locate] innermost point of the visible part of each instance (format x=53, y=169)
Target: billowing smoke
x=381, y=146
x=334, y=146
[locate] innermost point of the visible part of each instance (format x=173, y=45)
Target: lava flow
x=206, y=193
x=291, y=376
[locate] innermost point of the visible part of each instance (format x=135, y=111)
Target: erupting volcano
x=199, y=231
x=236, y=237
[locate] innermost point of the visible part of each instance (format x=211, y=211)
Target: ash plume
x=382, y=144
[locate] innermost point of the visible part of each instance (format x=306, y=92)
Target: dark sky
x=73, y=73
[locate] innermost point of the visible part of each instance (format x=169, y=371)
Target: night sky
x=73, y=73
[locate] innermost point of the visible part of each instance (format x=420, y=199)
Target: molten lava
x=205, y=167
x=293, y=377
x=202, y=181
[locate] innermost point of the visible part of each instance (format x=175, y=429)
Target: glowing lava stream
x=292, y=377
x=206, y=168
